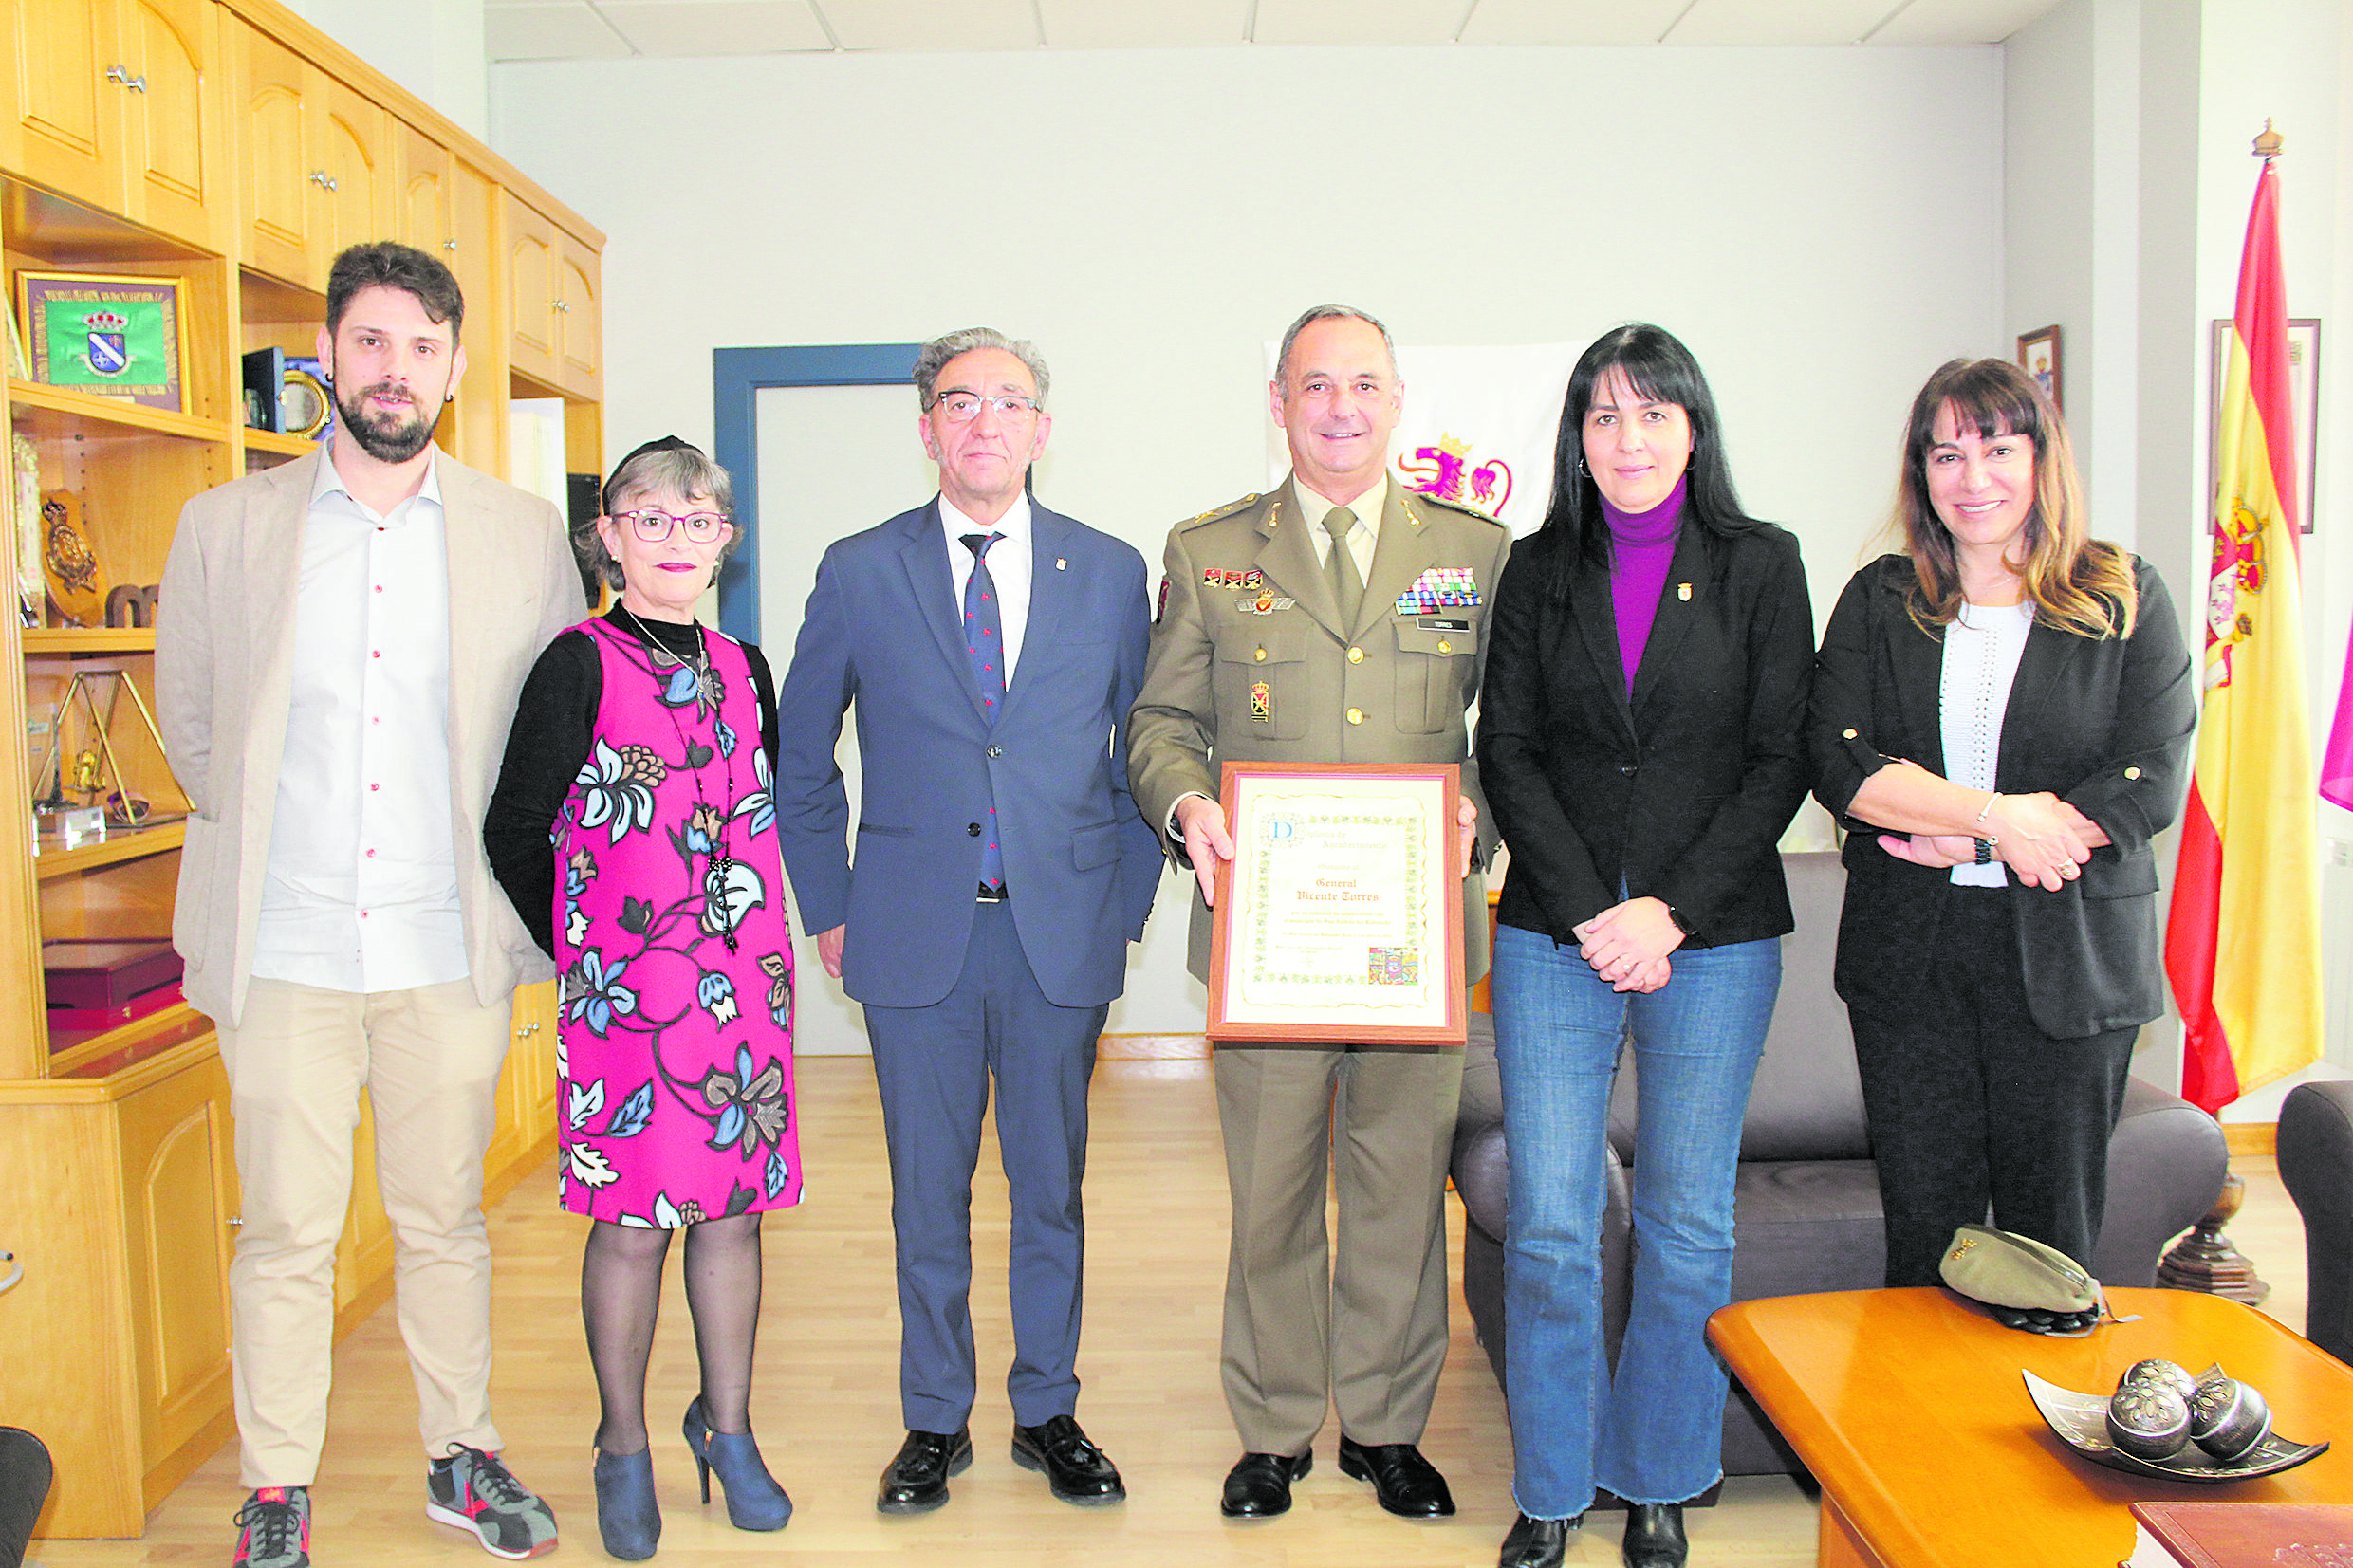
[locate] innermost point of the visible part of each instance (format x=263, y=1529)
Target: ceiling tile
x=1962, y=21
x=716, y=27
x=931, y=23
x=1358, y=21
x=1142, y=24
x=566, y=29
x=1585, y=22
x=1757, y=22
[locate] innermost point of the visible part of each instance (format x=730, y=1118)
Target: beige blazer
x=223, y=660
x=1293, y=684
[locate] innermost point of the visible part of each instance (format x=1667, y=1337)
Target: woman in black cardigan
x=2002, y=713
x=1639, y=742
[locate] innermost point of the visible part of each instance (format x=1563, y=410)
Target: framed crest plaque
x=112, y=336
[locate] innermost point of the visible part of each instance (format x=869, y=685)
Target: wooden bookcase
x=229, y=145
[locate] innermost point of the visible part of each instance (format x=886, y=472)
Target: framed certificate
x=115, y=336
x=1339, y=920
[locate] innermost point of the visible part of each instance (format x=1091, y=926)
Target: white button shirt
x=1009, y=567
x=361, y=892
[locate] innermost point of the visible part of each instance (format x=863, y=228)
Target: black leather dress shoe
x=1406, y=1484
x=1538, y=1543
x=915, y=1479
x=1259, y=1486
x=1654, y=1536
x=1076, y=1469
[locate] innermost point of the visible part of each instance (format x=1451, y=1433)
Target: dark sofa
x=1808, y=1201
x=2316, y=1163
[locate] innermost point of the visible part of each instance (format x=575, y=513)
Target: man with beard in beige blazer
x=1340, y=620
x=338, y=651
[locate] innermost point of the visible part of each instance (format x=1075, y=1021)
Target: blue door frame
x=737, y=377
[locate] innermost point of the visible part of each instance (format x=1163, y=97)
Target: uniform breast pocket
x=1436, y=665
x=1262, y=682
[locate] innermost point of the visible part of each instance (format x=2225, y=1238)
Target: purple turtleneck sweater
x=1642, y=550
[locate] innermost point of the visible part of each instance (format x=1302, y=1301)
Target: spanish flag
x=2242, y=946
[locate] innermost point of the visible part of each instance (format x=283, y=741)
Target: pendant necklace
x=721, y=861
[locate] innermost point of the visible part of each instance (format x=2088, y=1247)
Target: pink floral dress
x=675, y=1042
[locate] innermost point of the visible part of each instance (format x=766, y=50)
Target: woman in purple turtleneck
x=1649, y=655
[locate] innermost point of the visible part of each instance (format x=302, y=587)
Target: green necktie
x=1340, y=567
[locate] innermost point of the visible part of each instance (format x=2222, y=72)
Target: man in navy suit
x=993, y=649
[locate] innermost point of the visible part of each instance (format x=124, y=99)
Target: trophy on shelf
x=87, y=793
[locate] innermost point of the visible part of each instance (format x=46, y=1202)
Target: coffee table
x=1908, y=1407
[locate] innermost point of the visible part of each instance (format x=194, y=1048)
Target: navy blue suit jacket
x=884, y=631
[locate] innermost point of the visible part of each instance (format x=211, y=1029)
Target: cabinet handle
x=122, y=76
x=323, y=180
x=449, y=244
x=234, y=1220
x=559, y=305
x=16, y=1270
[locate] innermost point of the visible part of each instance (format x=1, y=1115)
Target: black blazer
x=1683, y=791
x=2105, y=724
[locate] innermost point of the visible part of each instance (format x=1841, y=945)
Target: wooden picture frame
x=2039, y=357
x=111, y=337
x=1340, y=918
x=2304, y=400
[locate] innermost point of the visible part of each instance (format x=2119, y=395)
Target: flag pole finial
x=2268, y=145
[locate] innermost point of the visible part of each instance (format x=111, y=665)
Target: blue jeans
x=1652, y=1432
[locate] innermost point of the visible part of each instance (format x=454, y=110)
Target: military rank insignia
x=1252, y=581
x=1439, y=588
x=1266, y=604
x=1262, y=703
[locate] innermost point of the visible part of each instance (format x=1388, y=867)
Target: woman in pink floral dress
x=642, y=754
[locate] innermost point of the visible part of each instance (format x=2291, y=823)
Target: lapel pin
x=1682, y=591
x=1060, y=564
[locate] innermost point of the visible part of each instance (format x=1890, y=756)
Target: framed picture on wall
x=116, y=337
x=2038, y=355
x=2304, y=402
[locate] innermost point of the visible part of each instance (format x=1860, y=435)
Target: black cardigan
x=2105, y=724
x=1682, y=791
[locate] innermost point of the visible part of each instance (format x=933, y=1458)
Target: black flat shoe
x=1654, y=1536
x=1076, y=1469
x=915, y=1479
x=1538, y=1543
x=1259, y=1486
x=1407, y=1484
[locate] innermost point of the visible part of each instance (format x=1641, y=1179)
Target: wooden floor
x=826, y=1409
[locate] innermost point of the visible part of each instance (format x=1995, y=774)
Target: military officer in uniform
x=1340, y=619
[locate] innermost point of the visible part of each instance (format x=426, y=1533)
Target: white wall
x=433, y=47
x=1823, y=226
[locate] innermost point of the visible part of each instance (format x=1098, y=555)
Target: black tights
x=620, y=1278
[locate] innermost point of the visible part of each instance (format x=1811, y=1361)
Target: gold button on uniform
x=1356, y=716
x=1356, y=655
x=1444, y=646
x=2132, y=773
x=1261, y=655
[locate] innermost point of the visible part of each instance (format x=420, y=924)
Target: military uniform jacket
x=1249, y=660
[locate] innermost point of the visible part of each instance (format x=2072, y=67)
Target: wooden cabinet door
x=176, y=1192
x=482, y=393
x=355, y=150
x=65, y=128
x=532, y=289
x=579, y=366
x=173, y=154
x=275, y=88
x=424, y=218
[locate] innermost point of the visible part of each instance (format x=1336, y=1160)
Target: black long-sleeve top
x=554, y=726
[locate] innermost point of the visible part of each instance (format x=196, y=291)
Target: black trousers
x=1970, y=1105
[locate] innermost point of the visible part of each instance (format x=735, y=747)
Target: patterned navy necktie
x=984, y=639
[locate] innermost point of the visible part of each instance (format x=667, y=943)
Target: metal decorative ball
x=2163, y=1374
x=2148, y=1421
x=2227, y=1417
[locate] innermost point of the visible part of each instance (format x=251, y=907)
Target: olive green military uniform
x=1250, y=661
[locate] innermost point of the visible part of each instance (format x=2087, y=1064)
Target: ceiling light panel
x=1765, y=22
x=1962, y=21
x=716, y=27
x=1358, y=21
x=931, y=23
x=566, y=29
x=1572, y=21
x=1143, y=24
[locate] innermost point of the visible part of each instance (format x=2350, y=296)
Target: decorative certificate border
x=1339, y=920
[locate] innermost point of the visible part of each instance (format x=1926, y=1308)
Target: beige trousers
x=430, y=1061
x=1361, y=1327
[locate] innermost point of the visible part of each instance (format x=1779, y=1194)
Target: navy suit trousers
x=932, y=1066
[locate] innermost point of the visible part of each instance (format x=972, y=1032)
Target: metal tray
x=2082, y=1421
